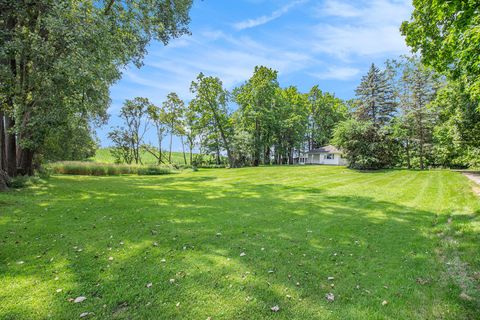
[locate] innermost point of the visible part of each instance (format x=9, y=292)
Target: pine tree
x=418, y=89
x=375, y=96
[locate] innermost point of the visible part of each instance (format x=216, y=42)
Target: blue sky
x=326, y=42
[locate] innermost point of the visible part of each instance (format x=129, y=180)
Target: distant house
x=329, y=155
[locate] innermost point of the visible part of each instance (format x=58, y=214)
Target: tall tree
x=210, y=102
x=447, y=33
x=417, y=86
x=290, y=123
x=174, y=108
x=325, y=111
x=456, y=136
x=59, y=58
x=375, y=96
x=134, y=116
x=256, y=98
x=191, y=129
x=157, y=116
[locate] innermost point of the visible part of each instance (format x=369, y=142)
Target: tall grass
x=105, y=169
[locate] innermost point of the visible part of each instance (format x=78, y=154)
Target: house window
x=329, y=156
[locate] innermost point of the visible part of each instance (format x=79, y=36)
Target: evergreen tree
x=419, y=85
x=375, y=96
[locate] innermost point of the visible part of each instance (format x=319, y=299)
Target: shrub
x=153, y=170
x=105, y=169
x=366, y=147
x=19, y=182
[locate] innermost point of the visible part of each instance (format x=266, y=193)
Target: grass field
x=233, y=243
x=103, y=155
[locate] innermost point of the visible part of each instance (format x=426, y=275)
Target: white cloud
x=215, y=53
x=337, y=73
x=338, y=9
x=251, y=23
x=371, y=29
x=348, y=40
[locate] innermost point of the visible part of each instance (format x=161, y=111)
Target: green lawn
x=408, y=238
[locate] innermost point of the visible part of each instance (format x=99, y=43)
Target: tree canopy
x=447, y=34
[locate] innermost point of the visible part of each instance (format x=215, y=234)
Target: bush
x=44, y=172
x=153, y=170
x=105, y=169
x=23, y=181
x=366, y=147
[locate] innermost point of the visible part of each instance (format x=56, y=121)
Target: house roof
x=326, y=149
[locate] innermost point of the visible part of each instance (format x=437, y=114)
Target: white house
x=329, y=155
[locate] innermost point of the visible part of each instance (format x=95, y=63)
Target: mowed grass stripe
x=371, y=231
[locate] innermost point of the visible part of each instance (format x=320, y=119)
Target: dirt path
x=475, y=177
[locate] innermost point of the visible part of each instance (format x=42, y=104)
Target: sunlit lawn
x=398, y=244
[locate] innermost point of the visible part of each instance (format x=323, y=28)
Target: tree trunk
x=191, y=155
x=25, y=162
x=3, y=159
x=170, y=151
x=267, y=155
x=183, y=150
x=159, y=135
x=256, y=155
x=422, y=142
x=3, y=180
x=407, y=149
x=3, y=163
x=11, y=147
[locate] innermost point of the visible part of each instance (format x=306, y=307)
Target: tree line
x=406, y=115
x=269, y=125
x=58, y=60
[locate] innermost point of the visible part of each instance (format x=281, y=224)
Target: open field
x=103, y=155
x=232, y=243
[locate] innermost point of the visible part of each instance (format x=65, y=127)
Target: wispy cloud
x=215, y=53
x=336, y=73
x=368, y=28
x=338, y=9
x=251, y=23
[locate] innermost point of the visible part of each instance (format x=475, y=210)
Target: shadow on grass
x=185, y=229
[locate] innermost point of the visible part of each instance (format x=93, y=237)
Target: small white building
x=329, y=155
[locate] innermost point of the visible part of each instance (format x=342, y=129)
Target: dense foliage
x=447, y=34
x=59, y=59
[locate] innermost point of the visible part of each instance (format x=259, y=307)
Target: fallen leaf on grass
x=79, y=299
x=330, y=297
x=275, y=308
x=59, y=290
x=86, y=314
x=422, y=281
